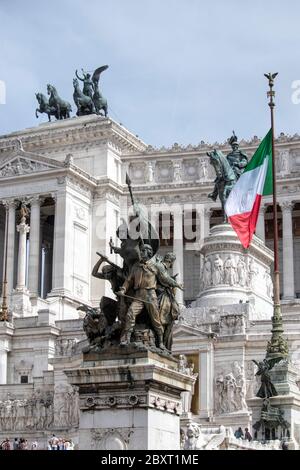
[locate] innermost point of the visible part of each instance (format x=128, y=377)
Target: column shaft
x=11, y=245
x=23, y=229
x=260, y=227
x=178, y=251
x=34, y=247
x=3, y=366
x=288, y=251
x=63, y=245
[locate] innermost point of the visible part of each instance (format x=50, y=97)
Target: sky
x=179, y=70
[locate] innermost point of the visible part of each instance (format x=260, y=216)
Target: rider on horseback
x=237, y=159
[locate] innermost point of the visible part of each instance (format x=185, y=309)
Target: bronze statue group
x=145, y=308
x=89, y=100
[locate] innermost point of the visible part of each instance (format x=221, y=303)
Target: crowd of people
x=58, y=443
x=55, y=443
x=18, y=444
x=239, y=434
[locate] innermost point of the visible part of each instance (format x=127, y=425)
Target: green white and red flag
x=243, y=203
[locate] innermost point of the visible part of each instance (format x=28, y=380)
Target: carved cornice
x=61, y=134
x=203, y=147
x=134, y=400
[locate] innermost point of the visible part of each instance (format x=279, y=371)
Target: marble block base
x=20, y=302
x=284, y=377
x=129, y=399
x=233, y=275
x=235, y=420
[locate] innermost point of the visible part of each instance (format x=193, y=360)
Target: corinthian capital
x=286, y=206
x=9, y=203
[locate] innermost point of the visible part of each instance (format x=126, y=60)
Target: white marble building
x=71, y=175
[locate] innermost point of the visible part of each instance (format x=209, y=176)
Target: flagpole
x=277, y=348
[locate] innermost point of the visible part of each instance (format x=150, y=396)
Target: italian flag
x=243, y=203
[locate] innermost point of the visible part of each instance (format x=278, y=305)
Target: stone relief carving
x=206, y=273
x=149, y=172
x=217, y=271
x=232, y=324
x=177, y=171
x=121, y=401
x=252, y=273
x=203, y=173
x=211, y=316
x=65, y=346
x=234, y=271
x=110, y=439
x=195, y=439
x=269, y=283
x=230, y=390
x=34, y=412
x=283, y=161
x=230, y=271
x=161, y=403
x=66, y=405
x=80, y=213
x=242, y=272
x=22, y=166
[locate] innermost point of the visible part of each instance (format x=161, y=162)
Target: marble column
x=63, y=245
x=3, y=365
x=23, y=229
x=207, y=214
x=34, y=247
x=206, y=381
x=6, y=334
x=260, y=227
x=178, y=251
x=11, y=245
x=204, y=215
x=287, y=250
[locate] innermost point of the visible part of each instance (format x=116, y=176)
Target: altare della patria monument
x=132, y=316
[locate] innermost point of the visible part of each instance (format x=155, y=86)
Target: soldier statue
x=236, y=158
x=143, y=278
x=144, y=310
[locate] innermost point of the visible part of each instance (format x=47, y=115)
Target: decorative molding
x=110, y=438
x=22, y=166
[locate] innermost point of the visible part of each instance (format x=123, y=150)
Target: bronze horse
x=44, y=107
x=63, y=108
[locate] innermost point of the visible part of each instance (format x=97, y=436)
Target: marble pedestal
x=21, y=305
x=235, y=419
x=129, y=399
x=283, y=376
x=233, y=275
